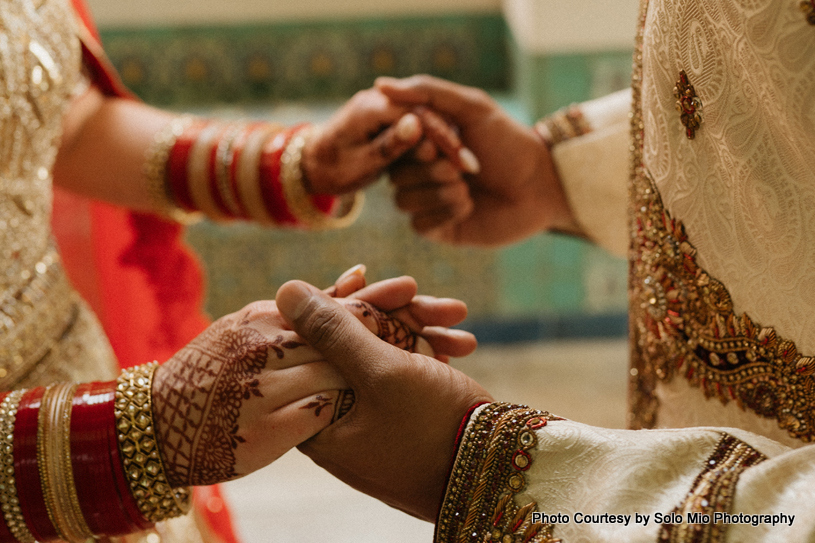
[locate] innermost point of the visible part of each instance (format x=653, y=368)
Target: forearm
x=564, y=468
x=103, y=149
x=82, y=461
x=146, y=159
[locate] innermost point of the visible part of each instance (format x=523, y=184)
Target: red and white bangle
x=243, y=171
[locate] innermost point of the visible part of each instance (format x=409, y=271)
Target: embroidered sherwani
x=718, y=224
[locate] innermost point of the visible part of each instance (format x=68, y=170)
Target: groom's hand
x=396, y=442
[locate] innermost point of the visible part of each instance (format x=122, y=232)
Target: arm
x=512, y=461
x=133, y=155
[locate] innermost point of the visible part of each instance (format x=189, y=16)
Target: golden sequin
x=808, y=7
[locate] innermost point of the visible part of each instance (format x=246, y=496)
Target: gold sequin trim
x=562, y=125
x=9, y=503
x=299, y=201
x=713, y=491
x=480, y=501
x=33, y=317
x=138, y=444
x=683, y=323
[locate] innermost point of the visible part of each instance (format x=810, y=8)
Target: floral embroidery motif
x=713, y=491
x=688, y=105
x=683, y=323
x=808, y=7
x=479, y=504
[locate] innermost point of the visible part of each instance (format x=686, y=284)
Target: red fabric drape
x=135, y=271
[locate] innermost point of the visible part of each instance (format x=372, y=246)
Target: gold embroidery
x=682, y=319
x=713, y=491
x=562, y=125
x=479, y=504
x=808, y=7
x=688, y=105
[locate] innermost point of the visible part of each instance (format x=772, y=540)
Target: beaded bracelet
x=139, y=447
x=14, y=525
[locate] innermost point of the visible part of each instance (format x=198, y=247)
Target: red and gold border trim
x=489, y=472
x=712, y=492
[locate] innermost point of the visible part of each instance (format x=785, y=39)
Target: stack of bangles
x=82, y=461
x=239, y=171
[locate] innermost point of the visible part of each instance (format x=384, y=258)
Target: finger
x=449, y=342
x=431, y=311
x=411, y=174
x=291, y=425
x=426, y=151
x=389, y=294
x=393, y=142
x=443, y=135
x=456, y=101
x=283, y=386
x=426, y=198
x=333, y=331
x=388, y=328
x=349, y=282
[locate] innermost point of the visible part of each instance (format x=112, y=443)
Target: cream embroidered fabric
x=744, y=187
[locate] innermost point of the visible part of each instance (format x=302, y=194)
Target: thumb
x=329, y=328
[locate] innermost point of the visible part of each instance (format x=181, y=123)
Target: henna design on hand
x=388, y=328
x=320, y=403
x=197, y=399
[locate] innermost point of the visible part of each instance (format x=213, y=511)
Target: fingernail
x=469, y=161
x=408, y=127
x=293, y=298
x=359, y=269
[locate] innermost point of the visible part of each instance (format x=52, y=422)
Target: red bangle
x=177, y=166
x=106, y=511
x=270, y=186
x=5, y=534
x=29, y=488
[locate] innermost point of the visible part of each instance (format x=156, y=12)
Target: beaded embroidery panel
x=480, y=501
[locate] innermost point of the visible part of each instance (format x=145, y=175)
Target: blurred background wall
x=294, y=61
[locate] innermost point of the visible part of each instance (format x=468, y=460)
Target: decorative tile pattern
x=192, y=65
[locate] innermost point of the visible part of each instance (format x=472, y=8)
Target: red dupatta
x=142, y=281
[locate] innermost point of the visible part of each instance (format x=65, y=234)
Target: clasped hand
x=249, y=388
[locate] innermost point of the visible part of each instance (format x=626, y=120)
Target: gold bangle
x=56, y=470
x=9, y=503
x=155, y=170
x=139, y=447
x=224, y=155
x=299, y=200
